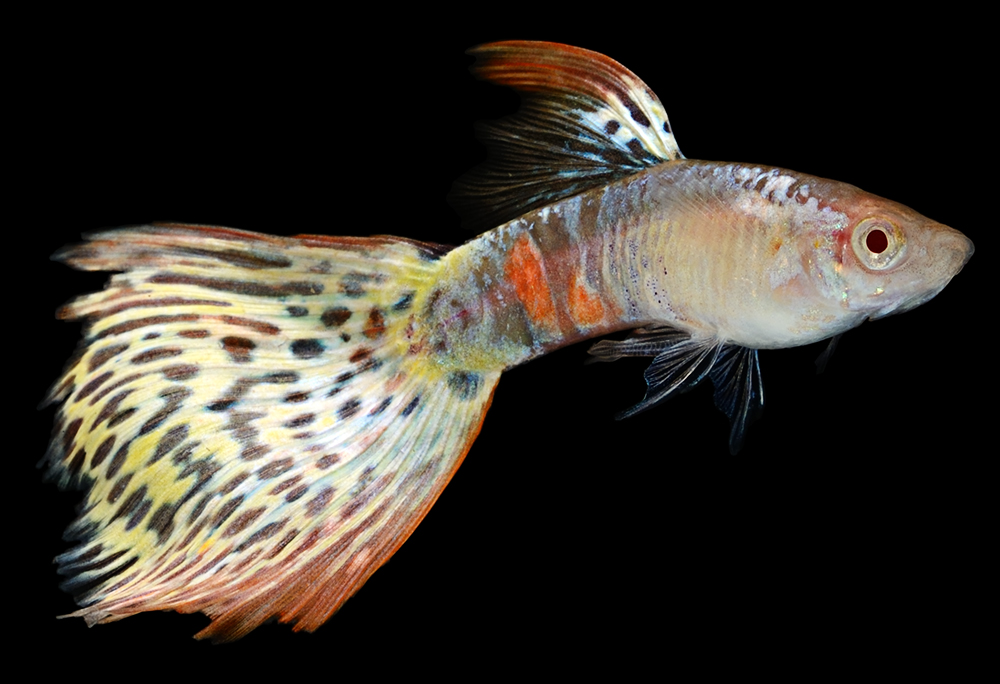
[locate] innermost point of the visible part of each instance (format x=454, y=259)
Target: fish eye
x=878, y=243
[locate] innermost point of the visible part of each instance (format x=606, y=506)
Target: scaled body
x=757, y=257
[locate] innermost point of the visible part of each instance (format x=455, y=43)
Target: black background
x=852, y=523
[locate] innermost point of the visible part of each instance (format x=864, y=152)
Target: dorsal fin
x=585, y=121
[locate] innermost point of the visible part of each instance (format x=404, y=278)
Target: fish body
x=757, y=257
x=260, y=422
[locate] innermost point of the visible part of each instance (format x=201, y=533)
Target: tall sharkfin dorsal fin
x=585, y=120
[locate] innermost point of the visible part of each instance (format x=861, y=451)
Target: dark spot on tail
x=227, y=510
x=121, y=417
x=117, y=461
x=173, y=438
x=193, y=334
x=156, y=355
x=174, y=399
x=119, y=488
x=181, y=372
x=112, y=387
x=132, y=505
x=243, y=521
x=76, y=465
x=352, y=284
x=110, y=406
x=296, y=493
x=238, y=348
x=307, y=349
x=70, y=435
x=90, y=554
x=320, y=501
x=297, y=311
x=282, y=378
x=81, y=588
x=102, y=452
x=264, y=533
x=382, y=406
x=92, y=386
x=254, y=451
x=633, y=109
x=275, y=468
x=299, y=421
x=404, y=302
x=237, y=258
x=262, y=327
x=327, y=460
x=182, y=455
x=336, y=316
x=137, y=323
x=464, y=384
x=411, y=406
x=102, y=356
x=611, y=127
x=296, y=397
x=137, y=516
x=241, y=287
x=162, y=521
x=285, y=484
x=348, y=408
x=360, y=355
x=376, y=324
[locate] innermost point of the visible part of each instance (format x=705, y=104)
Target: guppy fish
x=260, y=422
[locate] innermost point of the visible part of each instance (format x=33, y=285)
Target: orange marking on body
x=524, y=271
x=585, y=306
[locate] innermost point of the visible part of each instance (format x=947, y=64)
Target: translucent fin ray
x=680, y=362
x=739, y=392
x=827, y=353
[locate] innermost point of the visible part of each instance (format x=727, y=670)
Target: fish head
x=886, y=258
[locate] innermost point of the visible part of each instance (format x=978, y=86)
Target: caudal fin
x=255, y=420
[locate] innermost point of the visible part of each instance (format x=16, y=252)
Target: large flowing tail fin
x=254, y=419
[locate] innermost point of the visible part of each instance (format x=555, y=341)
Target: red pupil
x=877, y=241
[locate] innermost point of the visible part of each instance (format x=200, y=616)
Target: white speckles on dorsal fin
x=586, y=120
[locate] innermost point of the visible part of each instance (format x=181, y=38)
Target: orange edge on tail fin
x=234, y=623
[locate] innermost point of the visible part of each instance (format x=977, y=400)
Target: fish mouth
x=953, y=251
x=960, y=247
x=969, y=249
x=907, y=304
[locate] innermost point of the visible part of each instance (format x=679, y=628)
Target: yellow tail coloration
x=259, y=420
